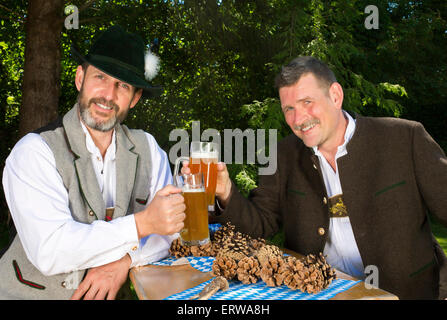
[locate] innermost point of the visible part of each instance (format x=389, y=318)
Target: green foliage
x=244, y=176
x=439, y=231
x=219, y=59
x=266, y=114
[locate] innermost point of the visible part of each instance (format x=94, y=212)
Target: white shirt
x=104, y=169
x=341, y=248
x=53, y=241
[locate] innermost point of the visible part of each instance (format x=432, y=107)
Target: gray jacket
x=19, y=279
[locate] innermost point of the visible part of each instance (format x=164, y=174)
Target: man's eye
x=124, y=86
x=100, y=76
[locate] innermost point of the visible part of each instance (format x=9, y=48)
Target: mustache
x=305, y=124
x=105, y=102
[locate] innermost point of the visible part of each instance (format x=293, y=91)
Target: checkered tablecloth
x=257, y=291
x=214, y=227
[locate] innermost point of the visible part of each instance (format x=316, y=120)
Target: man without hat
x=355, y=188
x=89, y=197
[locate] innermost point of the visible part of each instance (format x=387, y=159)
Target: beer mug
x=195, y=231
x=203, y=158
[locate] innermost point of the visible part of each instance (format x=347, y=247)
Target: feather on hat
x=151, y=65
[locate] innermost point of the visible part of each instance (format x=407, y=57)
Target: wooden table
x=153, y=282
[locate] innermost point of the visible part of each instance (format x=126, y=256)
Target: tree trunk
x=41, y=79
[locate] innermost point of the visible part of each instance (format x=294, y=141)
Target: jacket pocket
x=423, y=268
x=390, y=187
x=297, y=192
x=24, y=281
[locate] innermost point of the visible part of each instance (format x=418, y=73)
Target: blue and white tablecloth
x=256, y=291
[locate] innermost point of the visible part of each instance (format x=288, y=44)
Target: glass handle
x=177, y=167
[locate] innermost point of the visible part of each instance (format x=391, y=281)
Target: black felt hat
x=123, y=55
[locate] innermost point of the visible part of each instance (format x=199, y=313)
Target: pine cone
x=320, y=263
x=223, y=233
x=234, y=253
x=270, y=271
x=177, y=249
x=206, y=250
x=257, y=244
x=267, y=251
x=225, y=267
x=310, y=274
x=235, y=247
x=248, y=270
x=313, y=281
x=294, y=273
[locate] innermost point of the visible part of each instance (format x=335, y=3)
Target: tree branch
x=92, y=19
x=86, y=5
x=9, y=18
x=21, y=18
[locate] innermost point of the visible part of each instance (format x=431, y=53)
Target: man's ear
x=136, y=97
x=79, y=78
x=336, y=94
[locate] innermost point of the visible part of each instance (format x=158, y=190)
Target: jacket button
x=63, y=284
x=324, y=200
x=321, y=231
x=134, y=248
x=315, y=167
x=91, y=213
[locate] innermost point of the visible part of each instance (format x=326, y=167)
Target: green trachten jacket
x=392, y=175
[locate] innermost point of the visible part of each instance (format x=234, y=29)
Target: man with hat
x=89, y=197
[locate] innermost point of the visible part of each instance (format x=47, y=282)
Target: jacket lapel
x=126, y=168
x=83, y=164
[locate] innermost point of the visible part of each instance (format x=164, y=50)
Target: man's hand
x=104, y=281
x=223, y=186
x=164, y=215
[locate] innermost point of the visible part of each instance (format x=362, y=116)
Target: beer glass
x=195, y=231
x=203, y=158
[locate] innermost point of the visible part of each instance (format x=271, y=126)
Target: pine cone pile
x=309, y=274
x=247, y=259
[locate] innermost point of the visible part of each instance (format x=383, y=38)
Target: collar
x=348, y=135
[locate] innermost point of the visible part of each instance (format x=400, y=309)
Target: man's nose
x=111, y=91
x=300, y=115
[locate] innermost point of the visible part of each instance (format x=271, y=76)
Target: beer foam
x=195, y=155
x=188, y=189
x=208, y=154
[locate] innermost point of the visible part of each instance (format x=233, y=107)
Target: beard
x=88, y=118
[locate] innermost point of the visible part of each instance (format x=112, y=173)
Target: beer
x=206, y=162
x=196, y=230
x=203, y=158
